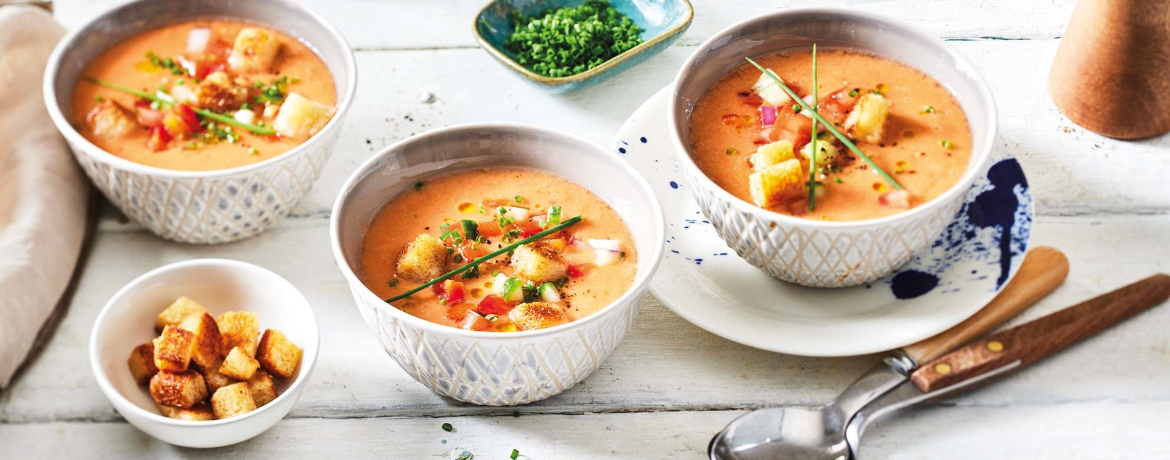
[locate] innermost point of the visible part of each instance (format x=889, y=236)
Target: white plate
x=703, y=281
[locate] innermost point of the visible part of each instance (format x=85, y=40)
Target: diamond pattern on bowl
x=211, y=210
x=500, y=372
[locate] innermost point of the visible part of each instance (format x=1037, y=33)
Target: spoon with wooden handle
x=1002, y=352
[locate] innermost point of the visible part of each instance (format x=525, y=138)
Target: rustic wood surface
x=670, y=385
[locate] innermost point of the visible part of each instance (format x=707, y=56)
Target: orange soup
x=447, y=222
x=752, y=140
x=204, y=95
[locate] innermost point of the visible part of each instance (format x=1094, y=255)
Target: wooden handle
x=1042, y=337
x=1043, y=270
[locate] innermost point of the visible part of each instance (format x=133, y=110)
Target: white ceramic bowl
x=825, y=253
x=204, y=207
x=485, y=367
x=220, y=285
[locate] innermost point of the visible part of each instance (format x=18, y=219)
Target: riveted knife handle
x=1043, y=270
x=1042, y=337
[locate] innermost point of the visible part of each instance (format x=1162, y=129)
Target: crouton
x=240, y=329
x=254, y=51
x=178, y=389
x=179, y=310
x=539, y=263
x=142, y=363
x=232, y=400
x=173, y=349
x=868, y=118
x=238, y=365
x=111, y=121
x=771, y=154
x=214, y=379
x=219, y=93
x=777, y=184
x=278, y=355
x=422, y=259
x=208, y=341
x=263, y=388
x=301, y=118
x=200, y=413
x=826, y=151
x=537, y=315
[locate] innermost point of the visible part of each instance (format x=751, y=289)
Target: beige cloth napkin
x=43, y=194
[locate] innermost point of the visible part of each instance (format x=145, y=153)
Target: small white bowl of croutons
x=205, y=353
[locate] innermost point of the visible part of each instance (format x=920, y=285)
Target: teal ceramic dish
x=662, y=22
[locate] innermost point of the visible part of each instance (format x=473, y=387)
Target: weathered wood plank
x=664, y=364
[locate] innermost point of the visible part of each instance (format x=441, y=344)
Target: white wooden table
x=670, y=385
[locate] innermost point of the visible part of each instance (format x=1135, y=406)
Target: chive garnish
x=448, y=428
x=515, y=453
x=493, y=255
x=812, y=160
x=470, y=229
x=161, y=97
x=829, y=126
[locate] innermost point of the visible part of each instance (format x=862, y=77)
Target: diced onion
x=608, y=245
x=270, y=110
x=516, y=213
x=602, y=257
x=245, y=116
x=767, y=115
x=183, y=93
x=498, y=285
x=811, y=103
x=197, y=40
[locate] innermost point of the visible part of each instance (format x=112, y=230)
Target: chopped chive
x=812, y=161
x=518, y=199
x=253, y=151
x=99, y=98
x=392, y=283
x=853, y=93
x=795, y=108
x=838, y=180
x=515, y=453
x=928, y=109
x=946, y=144
x=731, y=151
x=448, y=428
x=844, y=140
x=418, y=186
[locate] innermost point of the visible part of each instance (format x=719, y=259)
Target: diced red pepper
x=577, y=271
x=159, y=138
x=493, y=305
x=451, y=291
x=458, y=313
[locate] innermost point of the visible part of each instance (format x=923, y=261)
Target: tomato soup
x=444, y=223
x=222, y=94
x=750, y=138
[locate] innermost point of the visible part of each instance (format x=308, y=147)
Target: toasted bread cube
x=232, y=400
x=771, y=154
x=200, y=413
x=173, y=349
x=539, y=263
x=238, y=365
x=240, y=329
x=422, y=259
x=178, y=389
x=777, y=184
x=868, y=118
x=278, y=355
x=301, y=118
x=263, y=388
x=214, y=379
x=826, y=151
x=254, y=51
x=537, y=315
x=219, y=93
x=179, y=310
x=111, y=121
x=208, y=341
x=142, y=363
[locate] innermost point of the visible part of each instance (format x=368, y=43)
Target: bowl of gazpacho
x=498, y=264
x=828, y=146
x=203, y=121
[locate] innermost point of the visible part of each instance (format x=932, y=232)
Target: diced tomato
x=219, y=49
x=577, y=271
x=528, y=228
x=493, y=305
x=450, y=290
x=159, y=138
x=752, y=99
x=181, y=121
x=791, y=126
x=457, y=313
x=470, y=250
x=213, y=59
x=474, y=322
x=835, y=108
x=489, y=229
x=147, y=116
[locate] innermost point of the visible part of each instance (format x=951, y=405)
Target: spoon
x=1006, y=351
x=819, y=432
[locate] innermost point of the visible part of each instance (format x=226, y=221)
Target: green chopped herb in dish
x=515, y=453
x=448, y=428
x=567, y=41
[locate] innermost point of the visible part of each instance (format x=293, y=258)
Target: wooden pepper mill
x=1112, y=70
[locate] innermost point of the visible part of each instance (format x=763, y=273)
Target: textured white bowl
x=824, y=253
x=220, y=285
x=487, y=368
x=204, y=207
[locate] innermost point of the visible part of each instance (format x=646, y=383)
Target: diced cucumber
x=513, y=290
x=548, y=293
